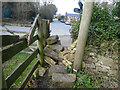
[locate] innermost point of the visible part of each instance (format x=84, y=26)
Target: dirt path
x=45, y=81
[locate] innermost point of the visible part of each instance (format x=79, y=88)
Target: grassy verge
x=85, y=80
x=93, y=80
x=9, y=66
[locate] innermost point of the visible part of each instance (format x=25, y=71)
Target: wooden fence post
x=4, y=85
x=44, y=28
x=1, y=68
x=48, y=28
x=40, y=40
x=46, y=31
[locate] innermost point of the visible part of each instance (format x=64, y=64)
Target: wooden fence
x=41, y=27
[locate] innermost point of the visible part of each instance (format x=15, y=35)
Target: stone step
x=57, y=69
x=63, y=80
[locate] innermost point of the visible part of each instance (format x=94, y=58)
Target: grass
x=10, y=65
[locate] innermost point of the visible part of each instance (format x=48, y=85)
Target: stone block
x=50, y=61
x=50, y=53
x=73, y=45
x=101, y=69
x=56, y=47
x=69, y=57
x=51, y=40
x=63, y=80
x=67, y=63
x=42, y=71
x=61, y=55
x=92, y=54
x=57, y=69
x=97, y=64
x=106, y=61
x=91, y=66
x=114, y=72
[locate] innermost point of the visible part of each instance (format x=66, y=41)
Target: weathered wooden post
x=40, y=40
x=48, y=27
x=46, y=31
x=83, y=33
x=3, y=82
x=0, y=69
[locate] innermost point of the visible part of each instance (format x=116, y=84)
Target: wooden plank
x=13, y=50
x=40, y=41
x=9, y=39
x=8, y=30
x=33, y=39
x=19, y=70
x=33, y=28
x=23, y=84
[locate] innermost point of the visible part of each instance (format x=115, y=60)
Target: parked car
x=67, y=23
x=63, y=21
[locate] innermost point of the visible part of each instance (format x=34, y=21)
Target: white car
x=67, y=23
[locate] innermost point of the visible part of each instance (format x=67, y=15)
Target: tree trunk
x=83, y=33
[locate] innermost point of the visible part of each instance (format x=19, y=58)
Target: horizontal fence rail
x=29, y=75
x=14, y=44
x=19, y=70
x=16, y=48
x=8, y=39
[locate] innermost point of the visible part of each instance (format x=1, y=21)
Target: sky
x=68, y=6
x=64, y=6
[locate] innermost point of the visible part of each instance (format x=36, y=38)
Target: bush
x=116, y=10
x=75, y=30
x=102, y=28
x=47, y=11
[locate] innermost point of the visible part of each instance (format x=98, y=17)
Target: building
x=72, y=18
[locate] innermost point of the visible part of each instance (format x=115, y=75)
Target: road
x=56, y=27
x=62, y=30
x=59, y=28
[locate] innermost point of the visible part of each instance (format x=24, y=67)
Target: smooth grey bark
x=83, y=34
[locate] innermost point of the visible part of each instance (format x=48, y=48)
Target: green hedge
x=103, y=28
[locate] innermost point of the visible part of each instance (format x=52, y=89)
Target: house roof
x=73, y=15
